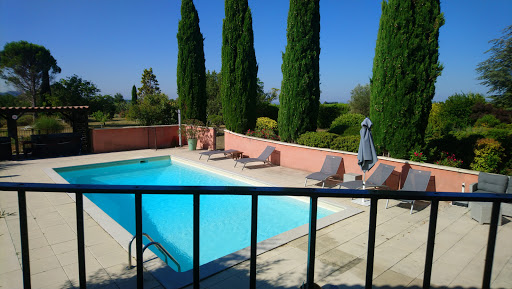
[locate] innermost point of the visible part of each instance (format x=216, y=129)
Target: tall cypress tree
x=239, y=67
x=134, y=94
x=405, y=69
x=300, y=89
x=191, y=78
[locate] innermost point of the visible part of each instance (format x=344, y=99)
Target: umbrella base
x=362, y=202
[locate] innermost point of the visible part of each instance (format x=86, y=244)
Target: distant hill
x=15, y=93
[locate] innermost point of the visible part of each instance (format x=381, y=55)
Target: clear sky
x=111, y=42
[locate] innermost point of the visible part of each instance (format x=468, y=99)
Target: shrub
x=215, y=120
x=437, y=127
x=449, y=160
x=320, y=139
x=487, y=120
x=457, y=109
x=346, y=121
x=346, y=143
x=264, y=133
x=480, y=109
x=25, y=120
x=488, y=156
x=360, y=99
x=266, y=123
x=329, y=112
x=193, y=128
x=154, y=109
x=417, y=157
x=100, y=117
x=48, y=125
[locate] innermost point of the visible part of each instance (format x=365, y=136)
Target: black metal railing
x=313, y=194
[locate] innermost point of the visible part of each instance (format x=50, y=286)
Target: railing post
x=313, y=207
x=81, y=239
x=25, y=257
x=138, y=241
x=254, y=241
x=371, y=243
x=430, y=244
x=491, y=244
x=195, y=259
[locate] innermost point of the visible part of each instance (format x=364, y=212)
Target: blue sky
x=111, y=42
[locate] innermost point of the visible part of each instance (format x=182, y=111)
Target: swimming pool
x=225, y=220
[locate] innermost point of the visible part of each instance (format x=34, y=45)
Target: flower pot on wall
x=192, y=144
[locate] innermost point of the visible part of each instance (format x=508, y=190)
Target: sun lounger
x=262, y=158
x=211, y=153
x=416, y=181
x=377, y=179
x=329, y=169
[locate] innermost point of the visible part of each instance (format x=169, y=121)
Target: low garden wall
x=443, y=179
x=144, y=137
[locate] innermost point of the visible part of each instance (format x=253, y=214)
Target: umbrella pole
x=364, y=181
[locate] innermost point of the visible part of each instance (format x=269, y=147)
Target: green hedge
x=347, y=124
x=346, y=143
x=329, y=112
x=320, y=139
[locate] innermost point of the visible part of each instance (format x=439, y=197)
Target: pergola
x=76, y=115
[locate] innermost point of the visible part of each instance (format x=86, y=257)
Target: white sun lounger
x=211, y=153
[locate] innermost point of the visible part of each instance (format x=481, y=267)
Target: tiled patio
x=341, y=248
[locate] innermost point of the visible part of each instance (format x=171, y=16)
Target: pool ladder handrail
x=157, y=245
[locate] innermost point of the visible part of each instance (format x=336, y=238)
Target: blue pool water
x=224, y=220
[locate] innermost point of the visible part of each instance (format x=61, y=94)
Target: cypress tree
x=239, y=67
x=191, y=78
x=134, y=94
x=300, y=89
x=45, y=87
x=405, y=69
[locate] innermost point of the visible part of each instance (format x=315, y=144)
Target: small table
x=237, y=155
x=481, y=212
x=349, y=177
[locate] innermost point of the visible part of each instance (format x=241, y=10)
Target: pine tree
x=405, y=69
x=191, y=77
x=239, y=67
x=149, y=84
x=134, y=94
x=300, y=88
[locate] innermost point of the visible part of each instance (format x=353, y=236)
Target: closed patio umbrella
x=366, y=154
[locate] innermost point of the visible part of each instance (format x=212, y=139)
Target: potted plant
x=192, y=129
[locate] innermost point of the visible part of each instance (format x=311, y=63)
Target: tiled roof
x=43, y=108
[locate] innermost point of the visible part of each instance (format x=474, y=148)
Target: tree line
x=402, y=86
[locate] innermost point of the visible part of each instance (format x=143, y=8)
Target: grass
x=115, y=122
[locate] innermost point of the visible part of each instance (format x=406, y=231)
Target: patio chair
x=215, y=152
x=329, y=169
x=377, y=179
x=489, y=184
x=262, y=158
x=416, y=181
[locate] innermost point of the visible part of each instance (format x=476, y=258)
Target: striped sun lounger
x=211, y=153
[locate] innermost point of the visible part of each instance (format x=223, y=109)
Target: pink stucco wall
x=144, y=137
x=443, y=179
